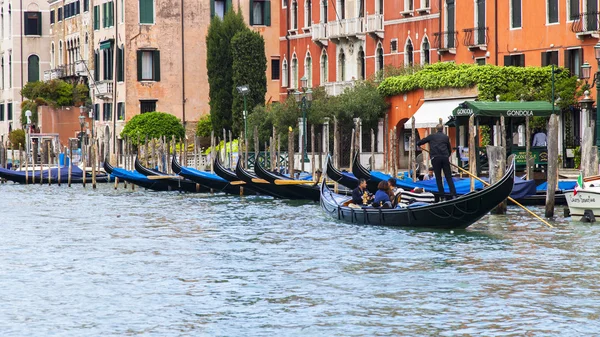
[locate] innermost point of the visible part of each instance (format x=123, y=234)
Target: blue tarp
x=76, y=172
x=562, y=186
x=521, y=188
x=463, y=186
x=207, y=175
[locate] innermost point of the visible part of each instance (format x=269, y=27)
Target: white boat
x=585, y=201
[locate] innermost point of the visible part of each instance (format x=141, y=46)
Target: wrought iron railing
x=477, y=36
x=585, y=22
x=446, y=40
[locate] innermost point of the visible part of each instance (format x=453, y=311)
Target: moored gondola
x=300, y=192
x=343, y=178
x=176, y=183
x=136, y=178
x=230, y=176
x=265, y=189
x=458, y=213
x=77, y=176
x=206, y=179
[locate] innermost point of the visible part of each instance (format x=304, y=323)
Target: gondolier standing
x=440, y=151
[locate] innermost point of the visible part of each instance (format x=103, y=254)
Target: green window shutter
x=212, y=8
x=104, y=15
x=39, y=24
x=267, y=14
x=120, y=65
x=139, y=65
x=228, y=6
x=251, y=18
x=96, y=66
x=156, y=60
x=96, y=24
x=109, y=5
x=147, y=11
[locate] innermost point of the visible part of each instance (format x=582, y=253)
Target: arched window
x=324, y=11
x=361, y=64
x=341, y=9
x=379, y=61
x=294, y=83
x=361, y=8
x=308, y=13
x=2, y=70
x=60, y=53
x=284, y=73
x=10, y=69
x=2, y=23
x=324, y=68
x=342, y=66
x=9, y=21
x=294, y=14
x=425, y=51
x=33, y=68
x=408, y=53
x=52, y=55
x=308, y=69
x=379, y=6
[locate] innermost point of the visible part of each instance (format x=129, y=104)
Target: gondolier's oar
x=163, y=177
x=239, y=182
x=294, y=182
x=259, y=181
x=509, y=198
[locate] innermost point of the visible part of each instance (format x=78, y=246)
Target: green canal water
x=79, y=262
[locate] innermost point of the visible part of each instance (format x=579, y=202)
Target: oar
x=509, y=198
x=294, y=182
x=163, y=177
x=259, y=181
x=239, y=182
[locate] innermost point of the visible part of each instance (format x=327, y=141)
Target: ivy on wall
x=511, y=83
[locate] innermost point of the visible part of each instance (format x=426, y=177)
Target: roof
x=430, y=112
x=507, y=109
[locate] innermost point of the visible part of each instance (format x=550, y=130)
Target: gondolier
x=440, y=150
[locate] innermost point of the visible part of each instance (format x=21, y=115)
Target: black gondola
x=300, y=192
x=266, y=189
x=175, y=183
x=230, y=176
x=136, y=178
x=343, y=178
x=77, y=176
x=206, y=179
x=459, y=213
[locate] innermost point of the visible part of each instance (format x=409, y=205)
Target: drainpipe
x=183, y=65
x=115, y=91
x=440, y=29
x=496, y=30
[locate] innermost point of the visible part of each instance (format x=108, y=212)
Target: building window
x=425, y=51
x=379, y=7
x=408, y=53
x=86, y=5
x=96, y=65
x=33, y=68
x=425, y=4
x=308, y=13
x=52, y=17
x=218, y=8
x=107, y=59
x=120, y=64
x=147, y=106
x=342, y=66
x=573, y=8
x=394, y=46
x=324, y=68
x=107, y=112
x=33, y=23
x=294, y=83
x=147, y=12
x=108, y=14
x=480, y=23
x=324, y=11
x=361, y=64
x=121, y=111
x=573, y=60
x=10, y=69
x=122, y=7
x=9, y=112
x=450, y=24
x=514, y=60
x=284, y=71
x=515, y=14
x=379, y=61
x=96, y=112
x=2, y=70
x=480, y=61
x=1, y=112
x=341, y=9
x=260, y=13
x=308, y=69
x=148, y=65
x=60, y=14
x=96, y=17
x=408, y=5
x=294, y=14
x=549, y=58
x=9, y=20
x=275, y=71
x=552, y=11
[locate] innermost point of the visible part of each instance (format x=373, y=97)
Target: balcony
x=346, y=28
x=586, y=25
x=319, y=33
x=55, y=73
x=375, y=25
x=336, y=88
x=476, y=38
x=47, y=75
x=103, y=89
x=446, y=42
x=81, y=68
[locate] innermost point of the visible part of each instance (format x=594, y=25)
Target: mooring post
x=70, y=168
x=59, y=150
x=26, y=168
x=472, y=163
x=528, y=149
x=94, y=162
x=49, y=163
x=552, y=164
x=291, y=152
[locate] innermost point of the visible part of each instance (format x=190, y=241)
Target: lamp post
x=304, y=98
x=28, y=115
x=244, y=90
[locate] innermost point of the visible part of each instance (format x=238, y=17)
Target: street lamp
x=28, y=115
x=244, y=90
x=304, y=98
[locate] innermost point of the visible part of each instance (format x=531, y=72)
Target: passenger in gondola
x=394, y=186
x=360, y=195
x=383, y=196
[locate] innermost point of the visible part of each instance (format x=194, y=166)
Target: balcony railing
x=319, y=31
x=586, y=23
x=476, y=37
x=47, y=75
x=104, y=89
x=374, y=23
x=81, y=68
x=57, y=73
x=446, y=41
x=336, y=88
x=345, y=28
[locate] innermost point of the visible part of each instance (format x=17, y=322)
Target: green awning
x=107, y=44
x=506, y=109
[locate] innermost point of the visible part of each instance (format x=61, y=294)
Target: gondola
x=206, y=179
x=343, y=178
x=77, y=176
x=265, y=189
x=136, y=178
x=176, y=183
x=458, y=213
x=230, y=176
x=300, y=192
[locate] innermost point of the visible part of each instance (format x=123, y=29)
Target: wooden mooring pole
x=552, y=164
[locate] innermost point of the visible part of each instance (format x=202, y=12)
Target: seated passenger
x=382, y=196
x=394, y=187
x=360, y=195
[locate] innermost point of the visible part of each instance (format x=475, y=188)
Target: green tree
x=204, y=126
x=219, y=64
x=154, y=125
x=249, y=68
x=17, y=137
